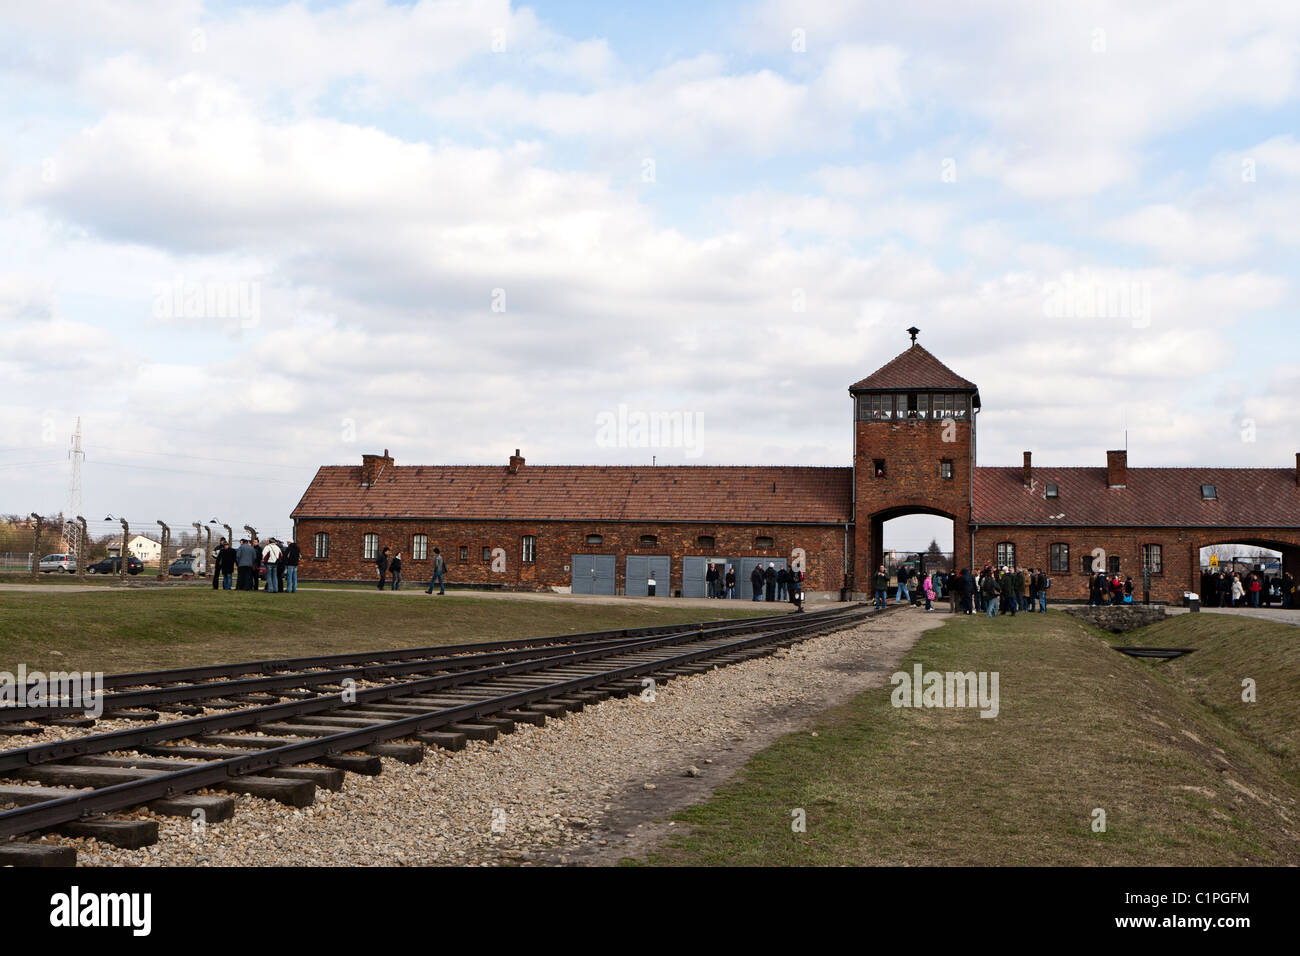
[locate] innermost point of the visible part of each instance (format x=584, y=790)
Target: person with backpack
x=989, y=593
x=1044, y=583
x=381, y=563
x=439, y=574
x=270, y=555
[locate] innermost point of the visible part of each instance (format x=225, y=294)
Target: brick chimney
x=516, y=462
x=372, y=466
x=1029, y=469
x=1117, y=468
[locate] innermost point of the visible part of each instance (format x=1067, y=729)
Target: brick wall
x=1180, y=553
x=557, y=542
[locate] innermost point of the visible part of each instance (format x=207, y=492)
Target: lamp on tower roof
x=914, y=332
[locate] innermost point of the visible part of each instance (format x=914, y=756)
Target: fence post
x=36, y=544
x=83, y=541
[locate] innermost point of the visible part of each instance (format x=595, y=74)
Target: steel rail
x=130, y=737
x=66, y=809
x=191, y=693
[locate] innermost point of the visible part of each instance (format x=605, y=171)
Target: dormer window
x=1209, y=493
x=1053, y=491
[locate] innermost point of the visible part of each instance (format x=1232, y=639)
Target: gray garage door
x=746, y=568
x=593, y=573
x=642, y=567
x=693, y=571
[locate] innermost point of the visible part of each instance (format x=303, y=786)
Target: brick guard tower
x=914, y=452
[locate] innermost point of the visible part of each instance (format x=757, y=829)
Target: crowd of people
x=765, y=583
x=247, y=566
x=1253, y=589
x=993, y=591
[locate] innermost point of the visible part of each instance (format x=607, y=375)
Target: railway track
x=262, y=749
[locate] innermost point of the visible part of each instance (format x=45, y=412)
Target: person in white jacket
x=271, y=554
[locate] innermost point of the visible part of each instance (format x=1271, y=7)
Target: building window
x=764, y=543
x=529, y=549
x=878, y=467
x=706, y=542
x=595, y=539
x=322, y=544
x=1006, y=555
x=1209, y=492
x=945, y=469
x=649, y=540
x=419, y=547
x=1113, y=561
x=1152, y=559
x=464, y=552
x=487, y=554
x=1058, y=559
x=370, y=546
x=1053, y=491
x=875, y=408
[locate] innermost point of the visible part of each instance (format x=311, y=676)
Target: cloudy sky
x=241, y=241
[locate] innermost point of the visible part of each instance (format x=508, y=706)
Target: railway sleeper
x=216, y=809
x=324, y=777
x=37, y=854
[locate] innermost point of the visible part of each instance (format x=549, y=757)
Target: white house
x=146, y=549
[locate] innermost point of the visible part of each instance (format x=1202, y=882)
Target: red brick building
x=599, y=529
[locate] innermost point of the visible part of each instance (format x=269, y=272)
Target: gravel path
x=590, y=789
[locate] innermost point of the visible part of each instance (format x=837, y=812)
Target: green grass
x=1080, y=727
x=124, y=629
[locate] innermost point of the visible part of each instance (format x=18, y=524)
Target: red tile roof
x=1153, y=497
x=915, y=368
x=766, y=494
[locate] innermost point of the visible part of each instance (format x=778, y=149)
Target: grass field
x=1184, y=776
x=123, y=629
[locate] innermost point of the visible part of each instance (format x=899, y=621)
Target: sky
x=240, y=241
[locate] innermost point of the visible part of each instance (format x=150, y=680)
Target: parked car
x=58, y=562
x=181, y=566
x=114, y=564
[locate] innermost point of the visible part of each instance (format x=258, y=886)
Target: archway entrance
x=918, y=538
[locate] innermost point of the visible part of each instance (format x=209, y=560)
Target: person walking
x=439, y=574
x=880, y=584
x=769, y=580
x=292, y=555
x=381, y=562
x=271, y=554
x=245, y=561
x=731, y=582
x=795, y=589
x=756, y=582
x=395, y=571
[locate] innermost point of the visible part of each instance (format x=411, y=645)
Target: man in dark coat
x=292, y=555
x=381, y=563
x=756, y=582
x=1010, y=592
x=711, y=580
x=769, y=580
x=226, y=563
x=782, y=583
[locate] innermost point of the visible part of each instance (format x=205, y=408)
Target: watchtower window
x=878, y=467
x=945, y=468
